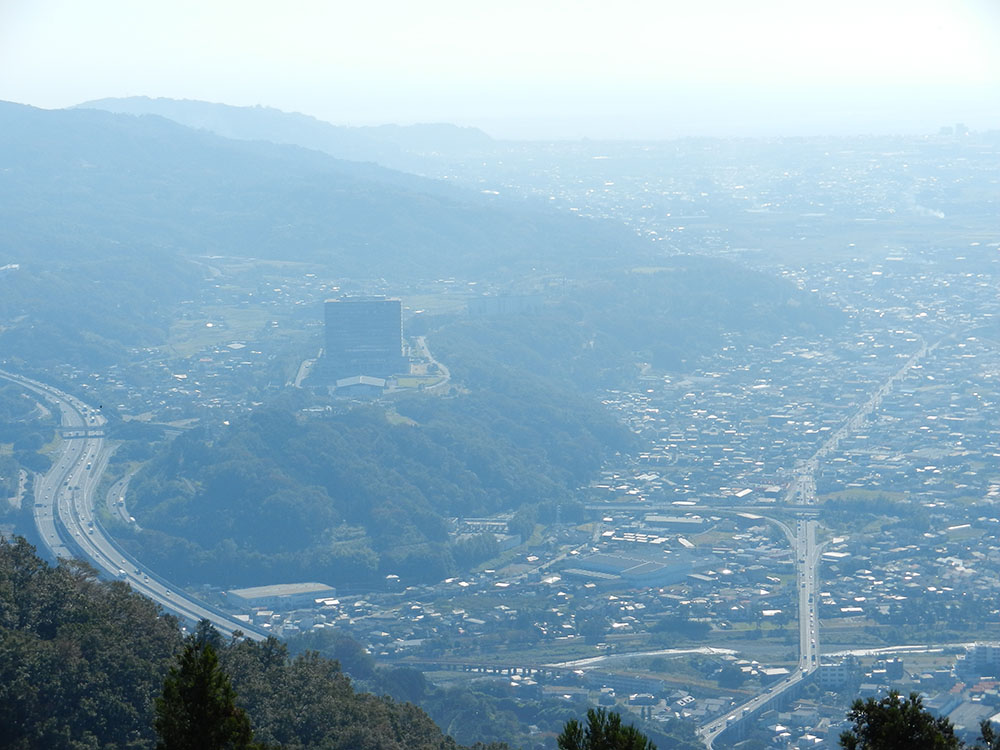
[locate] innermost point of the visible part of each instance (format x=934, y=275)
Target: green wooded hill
x=82, y=660
x=349, y=498
x=76, y=182
x=596, y=332
x=26, y=426
x=102, y=214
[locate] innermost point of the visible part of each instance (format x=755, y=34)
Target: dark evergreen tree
x=988, y=737
x=197, y=710
x=895, y=723
x=604, y=731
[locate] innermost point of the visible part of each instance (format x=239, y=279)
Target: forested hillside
x=95, y=180
x=598, y=330
x=81, y=662
x=26, y=426
x=351, y=497
x=101, y=214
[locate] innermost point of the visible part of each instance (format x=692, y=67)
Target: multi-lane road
x=64, y=510
x=802, y=485
x=806, y=552
x=802, y=488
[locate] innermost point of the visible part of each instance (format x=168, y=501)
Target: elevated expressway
x=806, y=552
x=64, y=502
x=800, y=498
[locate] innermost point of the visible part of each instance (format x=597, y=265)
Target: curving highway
x=64, y=511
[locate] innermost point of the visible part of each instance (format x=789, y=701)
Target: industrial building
x=635, y=571
x=282, y=596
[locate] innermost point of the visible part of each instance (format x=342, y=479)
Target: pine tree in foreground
x=604, y=731
x=197, y=710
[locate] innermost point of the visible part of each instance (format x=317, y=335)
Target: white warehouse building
x=281, y=596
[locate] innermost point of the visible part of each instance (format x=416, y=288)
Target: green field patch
x=964, y=533
x=393, y=418
x=713, y=538
x=216, y=327
x=435, y=304
x=415, y=381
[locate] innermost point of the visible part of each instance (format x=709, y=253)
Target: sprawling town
x=807, y=520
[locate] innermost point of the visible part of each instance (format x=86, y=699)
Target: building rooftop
x=284, y=589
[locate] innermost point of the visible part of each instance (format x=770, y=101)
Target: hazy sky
x=528, y=68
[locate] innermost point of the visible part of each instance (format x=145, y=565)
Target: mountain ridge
x=87, y=195
x=177, y=187
x=396, y=146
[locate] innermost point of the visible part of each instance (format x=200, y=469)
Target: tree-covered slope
x=81, y=662
x=73, y=182
x=349, y=497
x=597, y=330
x=26, y=426
x=101, y=213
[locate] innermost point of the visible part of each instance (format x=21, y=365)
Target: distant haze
x=528, y=68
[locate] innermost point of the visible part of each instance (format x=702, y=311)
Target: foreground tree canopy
x=895, y=723
x=198, y=706
x=603, y=731
x=82, y=662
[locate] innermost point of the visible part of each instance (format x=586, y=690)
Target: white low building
x=281, y=596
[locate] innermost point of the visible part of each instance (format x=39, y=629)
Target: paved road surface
x=68, y=527
x=806, y=552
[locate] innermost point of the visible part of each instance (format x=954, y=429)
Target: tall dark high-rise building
x=364, y=336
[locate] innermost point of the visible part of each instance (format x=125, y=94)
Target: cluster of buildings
x=960, y=683
x=220, y=360
x=677, y=551
x=790, y=196
x=738, y=426
x=931, y=571
x=500, y=622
